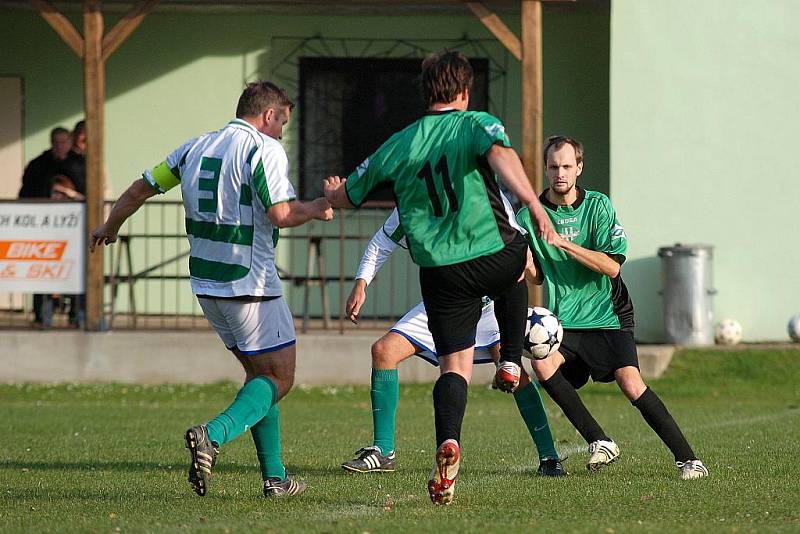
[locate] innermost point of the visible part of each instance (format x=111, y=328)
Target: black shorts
x=596, y=353
x=452, y=295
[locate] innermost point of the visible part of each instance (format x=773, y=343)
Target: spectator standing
x=36, y=183
x=39, y=172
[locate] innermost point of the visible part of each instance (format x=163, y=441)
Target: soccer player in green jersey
x=411, y=335
x=442, y=172
x=236, y=195
x=581, y=271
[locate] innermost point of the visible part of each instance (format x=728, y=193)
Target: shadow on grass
x=115, y=466
x=334, y=470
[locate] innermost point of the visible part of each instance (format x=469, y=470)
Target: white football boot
x=692, y=469
x=602, y=453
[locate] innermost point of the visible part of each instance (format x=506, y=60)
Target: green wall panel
x=704, y=113
x=180, y=75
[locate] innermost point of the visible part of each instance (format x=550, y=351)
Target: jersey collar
x=240, y=122
x=575, y=205
x=440, y=111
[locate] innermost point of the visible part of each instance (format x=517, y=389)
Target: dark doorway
x=350, y=106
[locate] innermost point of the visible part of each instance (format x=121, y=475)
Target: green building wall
x=180, y=75
x=704, y=115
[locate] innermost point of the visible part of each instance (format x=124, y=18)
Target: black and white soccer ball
x=543, y=333
x=728, y=332
x=794, y=328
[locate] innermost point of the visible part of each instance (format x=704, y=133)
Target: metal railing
x=147, y=277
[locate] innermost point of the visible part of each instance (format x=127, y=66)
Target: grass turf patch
x=107, y=457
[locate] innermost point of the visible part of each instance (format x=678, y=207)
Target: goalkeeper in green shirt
x=581, y=271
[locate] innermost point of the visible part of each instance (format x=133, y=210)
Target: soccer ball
x=543, y=333
x=794, y=328
x=728, y=332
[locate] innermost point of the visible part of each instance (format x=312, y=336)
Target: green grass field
x=111, y=458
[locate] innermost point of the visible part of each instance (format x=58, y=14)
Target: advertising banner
x=42, y=247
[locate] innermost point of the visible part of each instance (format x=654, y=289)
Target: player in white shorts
x=410, y=336
x=251, y=327
x=236, y=195
x=414, y=327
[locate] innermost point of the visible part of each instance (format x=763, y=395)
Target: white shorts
x=414, y=327
x=252, y=327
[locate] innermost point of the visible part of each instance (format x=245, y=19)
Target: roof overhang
x=294, y=7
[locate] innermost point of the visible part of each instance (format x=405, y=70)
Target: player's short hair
x=258, y=97
x=444, y=75
x=557, y=141
x=56, y=131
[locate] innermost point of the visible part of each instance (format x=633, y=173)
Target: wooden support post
x=94, y=100
x=529, y=51
x=531, y=17
x=94, y=49
x=498, y=28
x=61, y=25
x=125, y=27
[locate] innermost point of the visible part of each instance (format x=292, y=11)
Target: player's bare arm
x=533, y=273
x=377, y=251
x=297, y=212
x=335, y=192
x=130, y=201
x=506, y=164
x=356, y=300
x=599, y=262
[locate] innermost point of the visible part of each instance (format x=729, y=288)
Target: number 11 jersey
x=447, y=195
x=229, y=179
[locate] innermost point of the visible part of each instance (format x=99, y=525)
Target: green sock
x=267, y=437
x=532, y=411
x=385, y=393
x=251, y=405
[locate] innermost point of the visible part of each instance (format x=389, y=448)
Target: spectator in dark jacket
x=39, y=172
x=37, y=181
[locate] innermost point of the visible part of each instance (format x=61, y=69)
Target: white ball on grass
x=794, y=328
x=728, y=332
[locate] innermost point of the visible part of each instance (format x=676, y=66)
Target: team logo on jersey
x=569, y=233
x=362, y=168
x=617, y=232
x=494, y=129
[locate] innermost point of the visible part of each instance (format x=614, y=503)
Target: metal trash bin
x=687, y=290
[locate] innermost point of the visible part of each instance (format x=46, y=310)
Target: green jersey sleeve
x=363, y=180
x=488, y=130
x=609, y=234
x=525, y=222
x=167, y=174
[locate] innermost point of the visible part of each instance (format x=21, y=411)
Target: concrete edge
x=158, y=357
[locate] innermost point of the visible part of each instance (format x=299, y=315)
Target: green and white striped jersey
x=229, y=179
